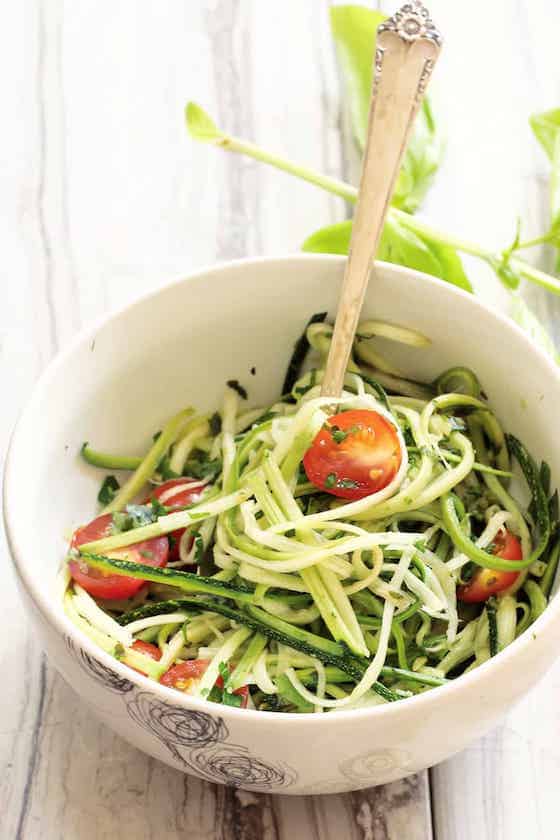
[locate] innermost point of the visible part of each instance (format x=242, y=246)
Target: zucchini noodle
x=281, y=591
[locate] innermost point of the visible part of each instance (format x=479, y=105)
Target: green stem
x=331, y=185
x=414, y=223
x=539, y=240
x=427, y=231
x=107, y=461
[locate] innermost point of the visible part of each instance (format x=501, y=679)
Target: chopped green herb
x=338, y=435
x=235, y=386
x=201, y=466
x=108, y=490
x=301, y=474
x=157, y=508
x=120, y=522
x=231, y=699
x=215, y=424
x=331, y=480
x=300, y=352
x=165, y=470
x=198, y=548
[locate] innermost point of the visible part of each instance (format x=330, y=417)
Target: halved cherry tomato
x=184, y=674
x=146, y=649
x=487, y=582
x=354, y=455
x=103, y=584
x=176, y=493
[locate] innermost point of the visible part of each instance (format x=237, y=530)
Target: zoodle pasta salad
x=319, y=554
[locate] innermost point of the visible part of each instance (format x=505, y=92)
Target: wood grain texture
x=502, y=787
x=103, y=197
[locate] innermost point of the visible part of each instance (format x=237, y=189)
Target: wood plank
x=110, y=199
x=499, y=68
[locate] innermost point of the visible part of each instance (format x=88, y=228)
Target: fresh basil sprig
x=407, y=239
x=399, y=244
x=546, y=128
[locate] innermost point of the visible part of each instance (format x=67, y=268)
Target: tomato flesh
x=102, y=584
x=176, y=494
x=355, y=454
x=487, y=582
x=146, y=649
x=183, y=675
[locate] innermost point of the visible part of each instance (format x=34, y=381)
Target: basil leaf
x=405, y=247
x=398, y=245
x=333, y=239
x=354, y=30
x=200, y=125
x=528, y=321
x=546, y=128
x=164, y=469
x=421, y=162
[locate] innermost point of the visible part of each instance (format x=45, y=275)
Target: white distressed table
x=103, y=197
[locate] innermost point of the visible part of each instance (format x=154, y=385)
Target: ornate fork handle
x=412, y=22
x=408, y=45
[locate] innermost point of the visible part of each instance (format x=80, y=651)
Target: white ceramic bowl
x=120, y=380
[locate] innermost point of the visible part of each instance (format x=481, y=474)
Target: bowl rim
x=56, y=617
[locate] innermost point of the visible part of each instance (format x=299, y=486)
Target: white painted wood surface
x=102, y=197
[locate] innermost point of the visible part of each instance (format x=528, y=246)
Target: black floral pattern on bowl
x=197, y=740
x=97, y=670
x=176, y=726
x=233, y=765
